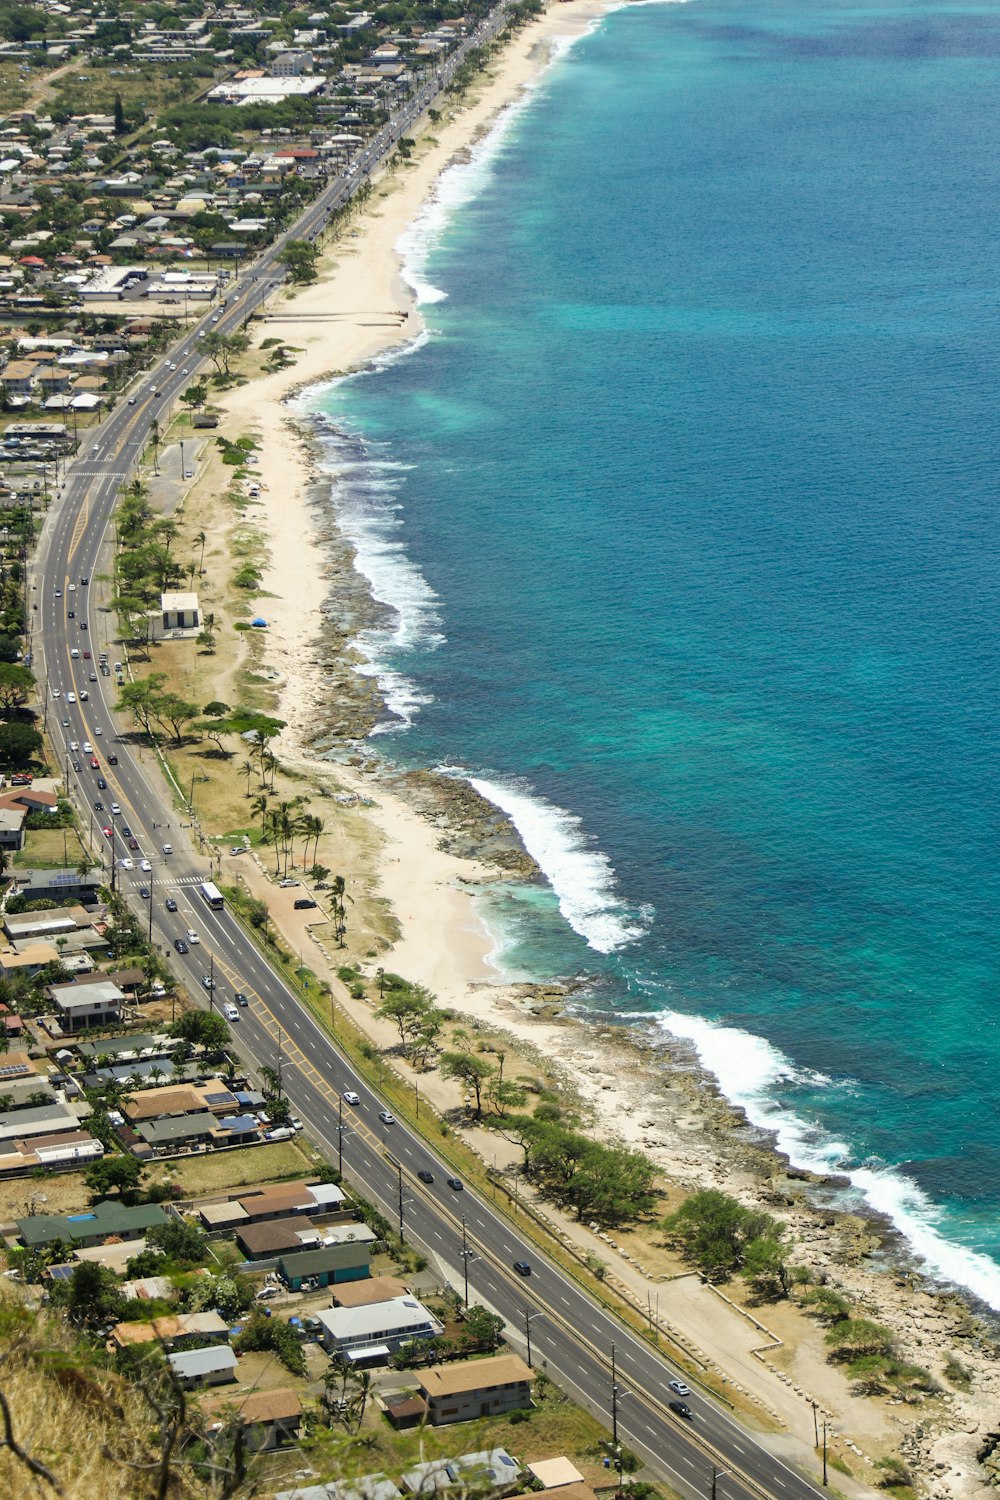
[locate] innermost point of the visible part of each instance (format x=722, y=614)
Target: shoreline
x=377, y=312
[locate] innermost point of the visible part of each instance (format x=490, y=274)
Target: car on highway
x=126, y=862
x=98, y=806
x=679, y=1387
x=71, y=614
x=144, y=864
x=133, y=842
x=144, y=892
x=58, y=593
x=84, y=579
x=95, y=764
x=241, y=999
x=170, y=904
x=208, y=983
x=350, y=1097
x=71, y=588
x=126, y=831
x=102, y=783
x=77, y=766
x=65, y=723
x=93, y=676
x=57, y=692
x=112, y=760
x=425, y=1176
x=115, y=809
x=188, y=473
x=98, y=729
x=192, y=936
x=168, y=848
x=455, y=1183
x=108, y=833
x=181, y=946
x=86, y=656
x=74, y=744
x=75, y=654
x=522, y=1267
x=88, y=748
x=681, y=1409
x=386, y=1117
x=70, y=697
x=131, y=401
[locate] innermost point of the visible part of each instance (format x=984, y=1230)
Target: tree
x=19, y=745
x=180, y=1242
x=222, y=349
x=114, y=1174
x=471, y=1071
x=300, y=257
x=16, y=684
x=202, y=1029
x=93, y=1296
x=195, y=396
x=482, y=1329
x=715, y=1232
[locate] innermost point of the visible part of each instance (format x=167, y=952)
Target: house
x=107, y=1219
x=325, y=1266
x=197, y=1367
x=270, y=1418
x=175, y=1131
x=97, y=1003
x=180, y=611
x=488, y=1472
x=204, y=1326
x=365, y=1487
x=43, y=1120
x=28, y=962
x=365, y=1293
x=375, y=1332
x=475, y=1388
x=278, y=1237
x=12, y=820
x=56, y=921
x=59, y=885
x=555, y=1474
x=176, y=1099
x=273, y=1203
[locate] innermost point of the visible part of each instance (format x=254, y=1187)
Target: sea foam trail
x=580, y=875
x=752, y=1073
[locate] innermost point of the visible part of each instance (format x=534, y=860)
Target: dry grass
x=236, y=1169
x=64, y=1410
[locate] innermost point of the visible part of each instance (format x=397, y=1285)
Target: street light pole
x=211, y=981
x=824, y=1452
x=529, y=1318
x=466, y=1252
x=340, y=1137
x=614, y=1399
x=399, y=1169
x=717, y=1474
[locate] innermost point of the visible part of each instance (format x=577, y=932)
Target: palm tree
x=246, y=769
x=201, y=538
x=259, y=806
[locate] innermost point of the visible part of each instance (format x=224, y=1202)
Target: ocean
x=686, y=511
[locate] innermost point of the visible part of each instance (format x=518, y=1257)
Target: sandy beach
x=358, y=308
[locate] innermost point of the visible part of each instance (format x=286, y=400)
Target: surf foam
x=752, y=1072
x=580, y=875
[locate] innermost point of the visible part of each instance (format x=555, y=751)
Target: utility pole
x=151, y=908
x=211, y=981
x=529, y=1318
x=466, y=1252
x=402, y=1237
x=340, y=1137
x=717, y=1474
x=815, y=1426
x=824, y=1452
x=281, y=1036
x=614, y=1399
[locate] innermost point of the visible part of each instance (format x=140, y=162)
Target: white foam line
x=751, y=1073
x=580, y=875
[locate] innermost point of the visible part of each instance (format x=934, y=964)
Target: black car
x=181, y=945
x=241, y=998
x=126, y=830
x=455, y=1183
x=83, y=624
x=426, y=1176
x=102, y=783
x=85, y=580
x=522, y=1268
x=171, y=904
x=112, y=760
x=304, y=903
x=98, y=806
x=76, y=765
x=71, y=614
x=682, y=1409
x=144, y=892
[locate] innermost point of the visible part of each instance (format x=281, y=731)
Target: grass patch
x=235, y=1169
x=48, y=849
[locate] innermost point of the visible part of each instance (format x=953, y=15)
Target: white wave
x=751, y=1072
x=580, y=875
x=460, y=183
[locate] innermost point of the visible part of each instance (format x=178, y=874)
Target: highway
x=571, y=1335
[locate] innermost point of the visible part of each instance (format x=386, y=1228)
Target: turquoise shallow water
x=687, y=510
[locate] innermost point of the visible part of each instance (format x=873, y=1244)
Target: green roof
x=326, y=1258
x=106, y=1218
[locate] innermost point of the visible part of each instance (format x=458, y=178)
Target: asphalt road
x=571, y=1335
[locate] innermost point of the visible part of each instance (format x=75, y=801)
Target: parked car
x=305, y=903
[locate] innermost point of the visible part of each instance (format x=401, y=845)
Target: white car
x=88, y=748
x=57, y=692
x=115, y=809
x=192, y=936
x=168, y=848
x=70, y=697
x=98, y=729
x=145, y=865
x=74, y=745
x=71, y=589
x=126, y=863
x=350, y=1097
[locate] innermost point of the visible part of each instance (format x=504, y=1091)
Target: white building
x=377, y=1330
x=180, y=611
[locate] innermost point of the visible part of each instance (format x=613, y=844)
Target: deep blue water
x=689, y=510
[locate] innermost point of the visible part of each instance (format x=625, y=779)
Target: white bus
x=211, y=893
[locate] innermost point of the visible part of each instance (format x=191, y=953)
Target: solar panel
x=14, y=1070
